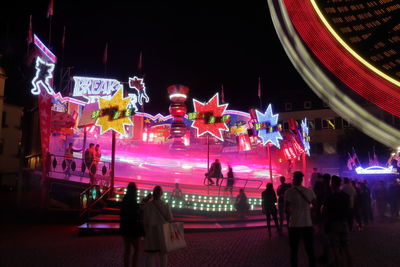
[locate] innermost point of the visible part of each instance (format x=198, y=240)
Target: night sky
x=201, y=44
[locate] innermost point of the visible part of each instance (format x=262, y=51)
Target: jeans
x=295, y=235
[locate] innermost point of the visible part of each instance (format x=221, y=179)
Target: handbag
x=172, y=235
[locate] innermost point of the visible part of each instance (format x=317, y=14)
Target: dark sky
x=201, y=44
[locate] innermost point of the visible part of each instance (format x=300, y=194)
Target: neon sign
x=211, y=109
x=208, y=117
x=93, y=88
x=44, y=72
x=112, y=113
x=118, y=106
x=137, y=84
x=272, y=120
x=375, y=170
x=39, y=44
x=305, y=136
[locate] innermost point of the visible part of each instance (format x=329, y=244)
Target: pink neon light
x=44, y=49
x=156, y=117
x=68, y=99
x=237, y=112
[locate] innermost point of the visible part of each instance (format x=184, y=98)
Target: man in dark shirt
x=336, y=211
x=281, y=201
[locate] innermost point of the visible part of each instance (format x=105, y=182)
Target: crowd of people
x=328, y=209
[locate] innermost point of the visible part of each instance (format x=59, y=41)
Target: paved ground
x=59, y=245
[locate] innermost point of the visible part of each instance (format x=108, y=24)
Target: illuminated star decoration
x=44, y=72
x=217, y=110
x=105, y=122
x=305, y=138
x=264, y=133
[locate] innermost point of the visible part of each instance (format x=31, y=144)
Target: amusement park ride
x=153, y=146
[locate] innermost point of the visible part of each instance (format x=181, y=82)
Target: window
x=324, y=124
x=318, y=123
x=307, y=104
x=328, y=124
x=288, y=106
x=311, y=124
x=4, y=120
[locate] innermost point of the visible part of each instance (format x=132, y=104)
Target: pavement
x=59, y=245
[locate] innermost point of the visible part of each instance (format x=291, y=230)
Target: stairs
x=199, y=211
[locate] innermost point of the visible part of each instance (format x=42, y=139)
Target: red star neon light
x=217, y=110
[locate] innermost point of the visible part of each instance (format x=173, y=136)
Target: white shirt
x=299, y=208
x=351, y=192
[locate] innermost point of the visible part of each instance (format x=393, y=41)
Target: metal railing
x=220, y=181
x=99, y=172
x=91, y=196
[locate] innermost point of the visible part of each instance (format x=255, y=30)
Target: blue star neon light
x=305, y=136
x=265, y=135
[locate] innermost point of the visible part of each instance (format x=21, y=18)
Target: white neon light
x=93, y=88
x=44, y=72
x=178, y=96
x=272, y=119
x=375, y=170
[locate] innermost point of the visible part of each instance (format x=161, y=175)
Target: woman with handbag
x=156, y=213
x=131, y=227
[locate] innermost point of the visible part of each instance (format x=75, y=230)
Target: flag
x=30, y=39
x=350, y=162
x=355, y=158
x=139, y=65
x=375, y=159
x=370, y=161
x=105, y=55
x=259, y=87
x=63, y=39
x=50, y=10
x=222, y=94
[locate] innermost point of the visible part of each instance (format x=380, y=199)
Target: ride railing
x=237, y=183
x=91, y=196
x=100, y=172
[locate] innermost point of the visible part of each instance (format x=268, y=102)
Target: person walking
x=381, y=195
x=393, y=197
x=230, y=180
x=314, y=177
x=269, y=208
x=156, y=213
x=241, y=204
x=350, y=191
x=336, y=211
x=131, y=226
x=297, y=202
x=281, y=202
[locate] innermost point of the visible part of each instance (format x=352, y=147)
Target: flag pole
x=259, y=92
x=50, y=19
